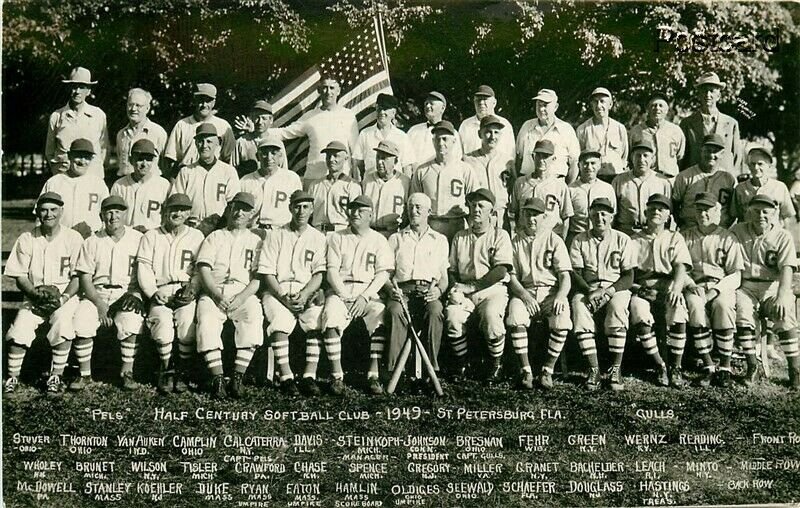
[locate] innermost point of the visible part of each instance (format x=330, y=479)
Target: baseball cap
x=485, y=91
x=491, y=120
x=262, y=105
x=705, y=199
x=361, y=201
x=482, y=194
x=600, y=91
x=602, y=203
x=206, y=89
x=245, y=198
x=763, y=199
x=300, y=196
x=714, y=140
x=436, y=96
x=178, y=201
x=659, y=199
x=388, y=146
x=144, y=146
x=643, y=144
x=544, y=146
x=710, y=78
x=763, y=149
x=334, y=146
x=386, y=101
x=50, y=197
x=82, y=146
x=270, y=141
x=546, y=95
x=589, y=153
x=535, y=204
x=446, y=126
x=659, y=95
x=205, y=130
x=113, y=202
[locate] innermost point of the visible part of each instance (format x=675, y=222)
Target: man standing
x=333, y=192
x=358, y=264
x=480, y=260
x=585, y=190
x=546, y=126
x=77, y=120
x=106, y=271
x=635, y=187
x=446, y=180
x=667, y=138
x=181, y=149
x=707, y=176
x=226, y=263
x=210, y=183
x=422, y=134
x=605, y=135
x=709, y=120
x=485, y=102
x=139, y=127
x=145, y=189
x=42, y=258
x=292, y=265
x=387, y=188
x=324, y=124
x=271, y=185
x=253, y=129
x=383, y=130
x=760, y=163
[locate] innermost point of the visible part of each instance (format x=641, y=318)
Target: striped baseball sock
x=588, y=347
x=377, y=344
x=724, y=342
x=185, y=351
x=59, y=362
x=127, y=348
x=616, y=344
x=313, y=348
x=747, y=340
x=83, y=352
x=459, y=346
x=676, y=340
x=519, y=340
x=333, y=346
x=496, y=345
x=280, y=345
x=648, y=339
x=16, y=354
x=164, y=354
x=243, y=357
x=554, y=346
x=214, y=361
x=789, y=343
x=703, y=343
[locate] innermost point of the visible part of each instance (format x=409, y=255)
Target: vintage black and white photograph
x=400, y=253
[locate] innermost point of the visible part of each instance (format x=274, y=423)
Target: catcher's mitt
x=84, y=229
x=182, y=297
x=46, y=300
x=649, y=294
x=128, y=302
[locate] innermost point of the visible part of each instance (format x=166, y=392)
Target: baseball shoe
x=663, y=375
x=127, y=382
x=676, y=377
x=218, y=387
x=180, y=385
x=375, y=387
x=615, y=379
x=722, y=378
x=79, y=383
x=309, y=387
x=546, y=380
x=337, y=387
x=54, y=385
x=11, y=384
x=593, y=381
x=527, y=380
x=752, y=375
x=459, y=371
x=707, y=378
x=794, y=378
x=289, y=388
x=164, y=382
x=235, y=386
x=495, y=374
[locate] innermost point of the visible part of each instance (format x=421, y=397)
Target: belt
x=758, y=280
x=264, y=226
x=329, y=227
x=170, y=283
x=708, y=279
x=350, y=281
x=414, y=283
x=109, y=286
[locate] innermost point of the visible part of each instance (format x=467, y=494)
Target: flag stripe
x=296, y=87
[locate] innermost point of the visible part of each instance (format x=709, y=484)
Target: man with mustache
x=144, y=189
x=605, y=135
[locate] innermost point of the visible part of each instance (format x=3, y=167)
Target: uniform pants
x=87, y=321
x=23, y=330
x=248, y=321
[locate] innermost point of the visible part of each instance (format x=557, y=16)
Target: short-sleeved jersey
x=715, y=254
x=473, y=256
x=602, y=260
x=331, y=198
x=692, y=181
x=110, y=261
x=272, y=193
x=610, y=138
x=447, y=184
x=582, y=194
x=632, y=195
x=292, y=256
x=144, y=199
x=775, y=189
x=564, y=140
x=553, y=191
x=358, y=258
x=389, y=197
x=370, y=138
x=419, y=256
x=180, y=143
x=232, y=255
x=766, y=254
x=469, y=132
x=489, y=170
x=539, y=259
x=209, y=189
x=668, y=141
x=82, y=196
x=170, y=257
x=44, y=261
x=658, y=255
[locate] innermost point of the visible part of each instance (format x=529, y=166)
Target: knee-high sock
x=589, y=348
x=83, y=352
x=724, y=342
x=243, y=357
x=280, y=345
x=16, y=354
x=554, y=346
x=214, y=361
x=703, y=343
x=313, y=347
x=747, y=341
x=616, y=345
x=164, y=354
x=377, y=344
x=519, y=341
x=459, y=346
x=333, y=346
x=60, y=354
x=648, y=339
x=127, y=348
x=676, y=340
x=789, y=344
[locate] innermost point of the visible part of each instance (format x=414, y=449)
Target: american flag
x=360, y=67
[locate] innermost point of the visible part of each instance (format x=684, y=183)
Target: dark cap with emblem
x=388, y=147
x=602, y=203
x=762, y=199
x=178, y=201
x=205, y=130
x=643, y=144
x=50, y=197
x=386, y=101
x=82, y=146
x=444, y=127
x=589, y=153
x=144, y=146
x=482, y=194
x=362, y=201
x=300, y=196
x=659, y=200
x=334, y=146
x=544, y=146
x=713, y=140
x=491, y=120
x=534, y=204
x=244, y=198
x=705, y=200
x=114, y=202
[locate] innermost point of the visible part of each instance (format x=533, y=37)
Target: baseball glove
x=210, y=224
x=128, y=302
x=646, y=293
x=182, y=297
x=47, y=299
x=84, y=229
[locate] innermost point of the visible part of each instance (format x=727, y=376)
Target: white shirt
x=421, y=137
x=564, y=139
x=180, y=144
x=369, y=139
x=129, y=135
x=471, y=140
x=272, y=193
x=210, y=190
x=144, y=199
x=82, y=196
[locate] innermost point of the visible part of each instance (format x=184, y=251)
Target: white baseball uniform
x=330, y=201
x=144, y=199
x=209, y=189
x=272, y=193
x=389, y=198
x=82, y=196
